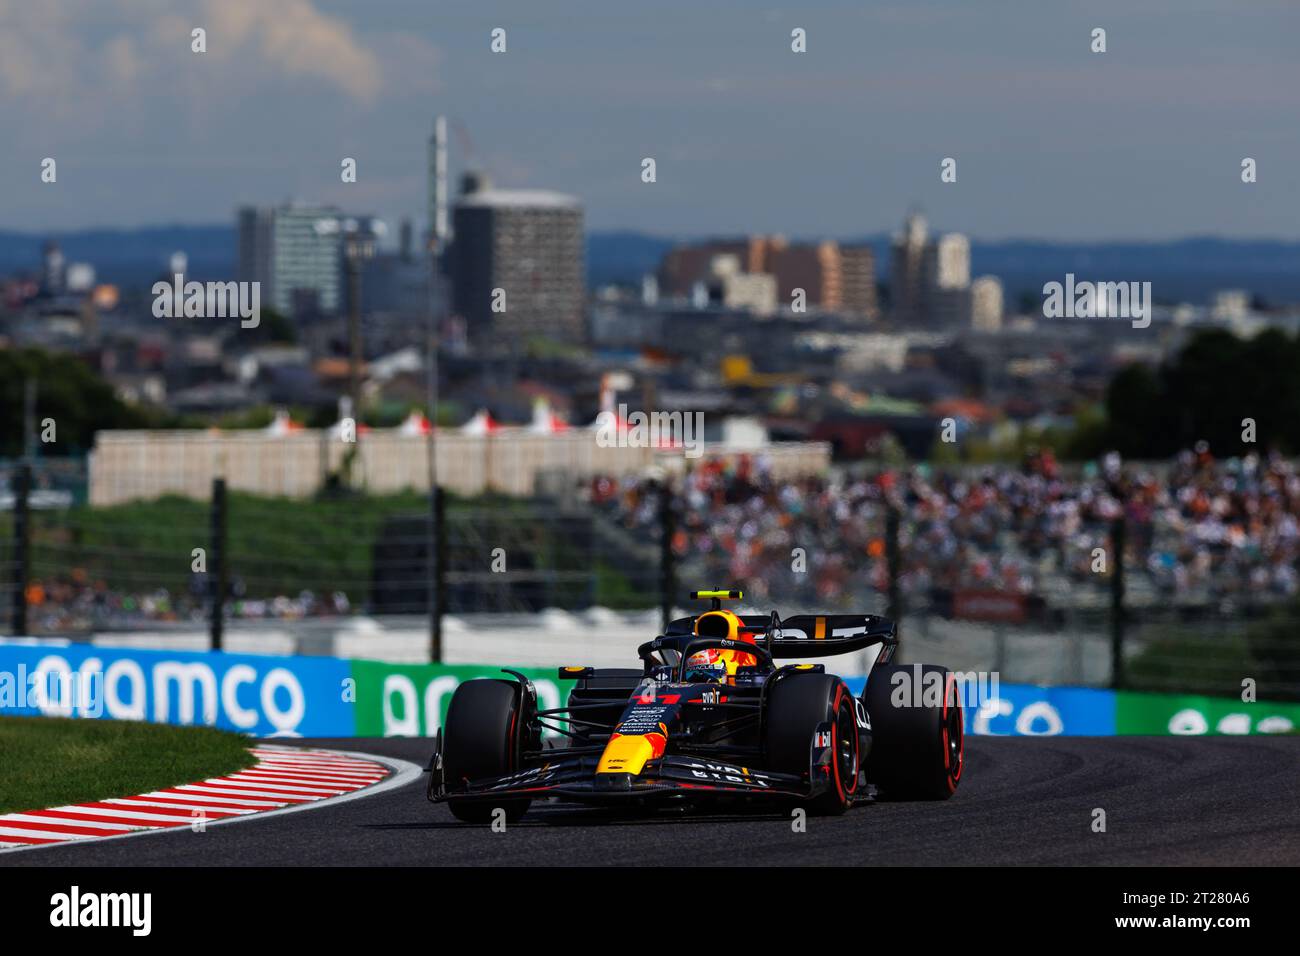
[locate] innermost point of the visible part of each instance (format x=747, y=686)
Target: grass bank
x=51, y=761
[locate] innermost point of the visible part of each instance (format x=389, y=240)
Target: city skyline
x=851, y=133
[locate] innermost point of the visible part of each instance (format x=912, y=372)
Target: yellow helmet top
x=718, y=624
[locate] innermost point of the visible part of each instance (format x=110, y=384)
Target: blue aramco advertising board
x=249, y=693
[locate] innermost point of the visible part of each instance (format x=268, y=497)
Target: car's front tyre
x=481, y=738
x=797, y=705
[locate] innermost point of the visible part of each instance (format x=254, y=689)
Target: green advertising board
x=410, y=700
x=1185, y=714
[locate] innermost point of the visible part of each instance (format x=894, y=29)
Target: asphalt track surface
x=1232, y=801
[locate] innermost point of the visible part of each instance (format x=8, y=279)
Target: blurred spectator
x=1202, y=530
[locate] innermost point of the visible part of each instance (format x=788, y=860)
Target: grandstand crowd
x=1197, y=529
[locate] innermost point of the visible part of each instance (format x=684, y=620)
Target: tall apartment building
x=906, y=272
x=986, y=304
x=930, y=278
x=858, y=280
x=947, y=262
x=528, y=243
x=945, y=280
x=295, y=252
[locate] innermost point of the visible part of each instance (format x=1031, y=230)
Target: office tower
x=295, y=251
x=253, y=260
x=858, y=277
x=986, y=304
x=527, y=243
x=306, y=258
x=945, y=282
x=906, y=268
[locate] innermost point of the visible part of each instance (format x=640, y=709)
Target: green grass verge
x=283, y=546
x=52, y=761
x=277, y=546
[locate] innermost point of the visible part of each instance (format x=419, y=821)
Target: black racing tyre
x=796, y=704
x=480, y=738
x=916, y=733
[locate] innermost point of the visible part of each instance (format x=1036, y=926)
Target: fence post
x=437, y=572
x=1118, y=530
x=667, y=560
x=893, y=563
x=217, y=571
x=22, y=486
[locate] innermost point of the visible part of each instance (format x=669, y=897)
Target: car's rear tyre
x=797, y=704
x=481, y=738
x=916, y=732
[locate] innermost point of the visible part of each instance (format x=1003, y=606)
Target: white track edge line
x=404, y=772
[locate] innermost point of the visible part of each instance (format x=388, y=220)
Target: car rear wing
x=821, y=635
x=811, y=635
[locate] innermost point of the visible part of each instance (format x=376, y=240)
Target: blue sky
x=1051, y=140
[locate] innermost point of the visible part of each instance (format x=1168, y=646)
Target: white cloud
x=295, y=38
x=53, y=53
x=34, y=43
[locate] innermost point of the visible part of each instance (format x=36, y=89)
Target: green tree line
x=1208, y=391
x=68, y=391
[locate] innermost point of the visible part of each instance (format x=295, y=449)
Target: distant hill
x=614, y=257
x=1179, y=270
x=1183, y=270
x=128, y=257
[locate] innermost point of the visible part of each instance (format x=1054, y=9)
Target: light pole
x=436, y=537
x=439, y=234
x=358, y=245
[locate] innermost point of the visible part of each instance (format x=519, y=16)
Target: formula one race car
x=710, y=716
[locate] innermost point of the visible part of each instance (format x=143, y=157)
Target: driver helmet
x=706, y=667
x=716, y=664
